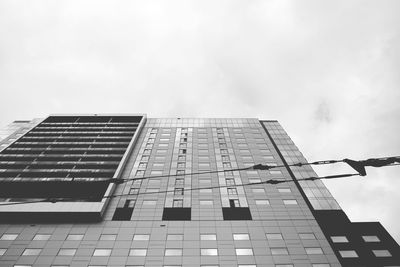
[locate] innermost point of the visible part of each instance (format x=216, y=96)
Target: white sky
x=328, y=71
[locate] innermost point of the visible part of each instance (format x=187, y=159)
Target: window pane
x=339, y=239
x=290, y=202
x=175, y=237
x=241, y=237
x=209, y=252
x=41, y=237
x=31, y=252
x=314, y=251
x=138, y=252
x=371, y=238
x=208, y=237
x=102, y=252
x=348, y=254
x=244, y=251
x=307, y=236
x=279, y=251
x=382, y=253
x=2, y=251
x=262, y=202
x=9, y=236
x=66, y=252
x=141, y=237
x=173, y=252
x=274, y=236
x=321, y=265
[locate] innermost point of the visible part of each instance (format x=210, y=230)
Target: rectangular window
x=147, y=152
x=134, y=191
x=312, y=251
x=31, y=252
x=181, y=158
x=258, y=190
x=154, y=183
x=262, y=202
x=284, y=190
x=161, y=151
x=139, y=173
x=279, y=251
x=290, y=202
x=2, y=251
x=74, y=237
x=206, y=202
x=174, y=237
x=209, y=252
x=41, y=237
x=254, y=180
x=370, y=238
x=143, y=165
x=348, y=254
x=225, y=158
x=179, y=181
x=208, y=237
x=9, y=237
x=307, y=236
x=66, y=252
x=107, y=237
x=138, y=252
x=141, y=237
x=206, y=191
x=227, y=165
x=232, y=191
x=241, y=237
x=155, y=173
x=244, y=251
x=224, y=151
x=182, y=151
x=321, y=265
x=230, y=181
x=178, y=191
x=102, y=252
x=173, y=252
x=274, y=236
x=382, y=253
x=234, y=203
x=339, y=239
x=149, y=202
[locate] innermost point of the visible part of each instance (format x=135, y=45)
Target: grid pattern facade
x=282, y=230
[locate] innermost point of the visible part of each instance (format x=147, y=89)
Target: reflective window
x=108, y=237
x=321, y=265
x=2, y=251
x=102, y=252
x=141, y=237
x=208, y=237
x=66, y=252
x=262, y=202
x=279, y=251
x=339, y=239
x=173, y=252
x=41, y=237
x=138, y=252
x=314, y=251
x=241, y=237
x=274, y=236
x=9, y=236
x=382, y=253
x=244, y=251
x=370, y=238
x=290, y=202
x=284, y=190
x=306, y=236
x=209, y=252
x=348, y=254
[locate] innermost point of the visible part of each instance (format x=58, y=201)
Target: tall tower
x=127, y=190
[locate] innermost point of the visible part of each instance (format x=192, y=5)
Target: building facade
x=127, y=190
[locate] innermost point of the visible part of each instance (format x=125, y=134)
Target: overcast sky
x=328, y=71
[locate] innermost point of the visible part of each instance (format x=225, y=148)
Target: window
x=181, y=158
x=41, y=237
x=181, y=165
x=147, y=152
x=2, y=251
x=225, y=158
x=204, y=165
x=175, y=237
x=177, y=203
x=74, y=237
x=382, y=253
x=306, y=236
x=139, y=173
x=173, y=252
x=284, y=190
x=371, y=238
x=311, y=251
x=141, y=237
x=290, y=201
x=274, y=236
x=102, y=252
x=208, y=237
x=247, y=265
x=230, y=181
x=279, y=251
x=284, y=265
x=149, y=202
x=179, y=181
x=232, y=191
x=145, y=159
x=178, y=191
x=154, y=172
x=209, y=252
x=227, y=165
x=321, y=265
x=180, y=172
x=262, y=202
x=138, y=252
x=206, y=202
x=254, y=180
x=154, y=183
x=161, y=151
x=258, y=190
x=9, y=237
x=142, y=165
x=241, y=237
x=348, y=254
x=339, y=239
x=244, y=251
x=66, y=252
x=108, y=237
x=206, y=191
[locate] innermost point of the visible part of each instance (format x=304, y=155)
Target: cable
x=270, y=181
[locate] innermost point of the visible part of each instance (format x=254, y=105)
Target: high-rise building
x=126, y=190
